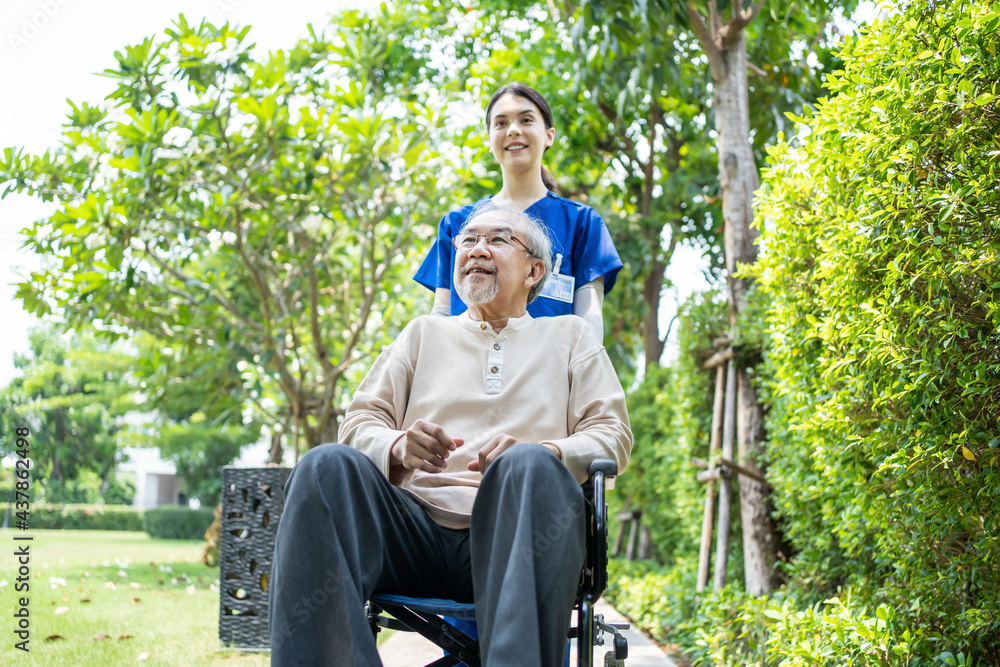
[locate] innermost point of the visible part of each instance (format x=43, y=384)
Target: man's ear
x=535, y=273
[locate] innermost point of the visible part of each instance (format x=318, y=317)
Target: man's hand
x=425, y=447
x=497, y=446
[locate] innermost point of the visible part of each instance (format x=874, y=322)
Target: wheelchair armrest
x=595, y=580
x=606, y=466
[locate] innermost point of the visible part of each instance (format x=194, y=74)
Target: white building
x=156, y=480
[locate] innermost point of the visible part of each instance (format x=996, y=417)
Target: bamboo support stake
x=719, y=358
x=713, y=449
x=710, y=475
x=726, y=469
x=633, y=538
x=725, y=488
x=746, y=472
x=645, y=542
x=622, y=518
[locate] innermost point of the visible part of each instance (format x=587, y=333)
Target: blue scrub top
x=578, y=234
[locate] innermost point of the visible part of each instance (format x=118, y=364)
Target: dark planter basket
x=252, y=502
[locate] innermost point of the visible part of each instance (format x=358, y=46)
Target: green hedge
x=79, y=517
x=882, y=230
x=178, y=523
x=731, y=628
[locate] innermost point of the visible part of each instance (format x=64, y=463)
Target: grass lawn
x=114, y=598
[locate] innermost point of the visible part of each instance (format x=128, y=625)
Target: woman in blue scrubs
x=519, y=122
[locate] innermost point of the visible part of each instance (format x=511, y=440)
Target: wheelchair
x=451, y=625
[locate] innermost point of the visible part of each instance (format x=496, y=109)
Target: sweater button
x=494, y=369
x=496, y=346
x=483, y=326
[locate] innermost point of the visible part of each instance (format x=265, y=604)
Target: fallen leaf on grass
x=136, y=600
x=85, y=600
x=98, y=638
x=62, y=610
x=120, y=637
x=134, y=585
x=66, y=598
x=111, y=585
x=52, y=638
x=143, y=656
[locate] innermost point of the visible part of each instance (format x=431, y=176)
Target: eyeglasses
x=468, y=240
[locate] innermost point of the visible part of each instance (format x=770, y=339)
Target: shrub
x=86, y=489
x=80, y=517
x=178, y=523
x=882, y=230
x=119, y=492
x=731, y=628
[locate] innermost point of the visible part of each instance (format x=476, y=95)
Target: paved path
x=407, y=649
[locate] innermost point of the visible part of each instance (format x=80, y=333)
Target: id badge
x=558, y=286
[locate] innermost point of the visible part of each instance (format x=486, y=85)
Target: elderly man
x=468, y=441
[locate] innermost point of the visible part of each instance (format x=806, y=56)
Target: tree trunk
x=57, y=472
x=725, y=485
x=327, y=431
x=652, y=343
x=738, y=179
x=276, y=449
x=759, y=539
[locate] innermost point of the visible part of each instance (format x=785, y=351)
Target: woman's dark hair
x=535, y=98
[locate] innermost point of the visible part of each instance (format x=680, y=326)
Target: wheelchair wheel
x=611, y=661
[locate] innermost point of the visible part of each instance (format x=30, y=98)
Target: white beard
x=479, y=295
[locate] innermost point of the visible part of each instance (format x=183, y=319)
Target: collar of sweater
x=513, y=323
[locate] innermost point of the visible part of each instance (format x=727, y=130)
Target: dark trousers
x=346, y=533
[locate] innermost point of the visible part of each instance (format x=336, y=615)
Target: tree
x=72, y=392
x=196, y=413
x=723, y=43
x=629, y=142
x=659, y=163
x=262, y=208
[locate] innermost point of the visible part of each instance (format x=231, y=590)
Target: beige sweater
x=544, y=380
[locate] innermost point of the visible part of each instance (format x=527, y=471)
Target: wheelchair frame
x=425, y=616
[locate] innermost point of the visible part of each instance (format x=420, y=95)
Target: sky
x=52, y=50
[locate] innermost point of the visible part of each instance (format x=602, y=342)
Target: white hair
x=536, y=236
